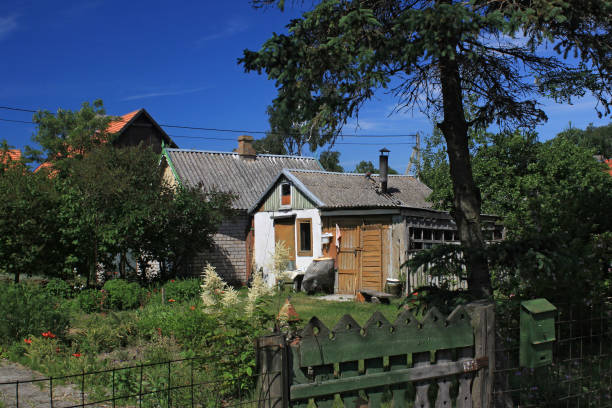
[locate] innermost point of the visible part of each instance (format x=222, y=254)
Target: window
x=285, y=194
x=304, y=245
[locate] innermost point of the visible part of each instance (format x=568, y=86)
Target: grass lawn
x=329, y=312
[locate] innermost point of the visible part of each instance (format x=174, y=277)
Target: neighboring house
x=132, y=129
x=242, y=173
x=369, y=224
x=9, y=156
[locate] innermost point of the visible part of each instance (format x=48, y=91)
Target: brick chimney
x=384, y=169
x=245, y=147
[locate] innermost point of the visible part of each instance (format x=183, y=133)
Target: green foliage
x=29, y=225
x=272, y=143
x=122, y=295
x=70, y=134
x=97, y=333
x=28, y=309
x=58, y=288
x=368, y=167
x=598, y=138
x=90, y=300
x=183, y=290
x=331, y=161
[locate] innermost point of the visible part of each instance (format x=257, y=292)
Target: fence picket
x=443, y=399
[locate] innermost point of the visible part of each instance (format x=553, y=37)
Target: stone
x=319, y=276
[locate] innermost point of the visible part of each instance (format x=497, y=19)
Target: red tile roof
x=11, y=154
x=118, y=125
x=609, y=163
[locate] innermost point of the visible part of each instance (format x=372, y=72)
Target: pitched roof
x=352, y=190
x=119, y=125
x=228, y=172
x=10, y=155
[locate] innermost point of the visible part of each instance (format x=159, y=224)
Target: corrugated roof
x=228, y=172
x=352, y=190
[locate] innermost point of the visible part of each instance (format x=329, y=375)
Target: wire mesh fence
x=581, y=372
x=185, y=382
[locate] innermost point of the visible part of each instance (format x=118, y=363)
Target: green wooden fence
x=382, y=363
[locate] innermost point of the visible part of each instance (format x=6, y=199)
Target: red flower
x=57, y=349
x=192, y=307
x=48, y=334
x=171, y=300
x=76, y=354
x=27, y=341
x=171, y=280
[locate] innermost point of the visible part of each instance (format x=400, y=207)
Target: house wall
x=141, y=131
x=229, y=252
x=264, y=238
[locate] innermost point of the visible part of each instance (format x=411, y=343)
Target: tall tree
x=432, y=54
x=330, y=161
x=368, y=167
x=598, y=138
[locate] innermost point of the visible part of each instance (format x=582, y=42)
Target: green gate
x=382, y=363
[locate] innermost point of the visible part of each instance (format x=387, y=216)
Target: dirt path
x=32, y=394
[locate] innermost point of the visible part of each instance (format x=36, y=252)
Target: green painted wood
x=406, y=335
x=344, y=385
x=298, y=200
x=348, y=370
x=399, y=391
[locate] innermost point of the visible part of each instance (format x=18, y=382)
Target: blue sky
x=178, y=60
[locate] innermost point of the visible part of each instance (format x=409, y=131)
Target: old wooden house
x=369, y=223
x=242, y=173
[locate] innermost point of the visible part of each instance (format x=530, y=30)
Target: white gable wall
x=264, y=239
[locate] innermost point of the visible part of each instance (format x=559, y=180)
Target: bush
x=90, y=300
x=97, y=334
x=122, y=295
x=59, y=288
x=183, y=290
x=28, y=309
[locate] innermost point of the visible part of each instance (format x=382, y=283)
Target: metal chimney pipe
x=384, y=169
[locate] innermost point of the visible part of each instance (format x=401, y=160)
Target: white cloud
x=164, y=93
x=7, y=25
x=234, y=26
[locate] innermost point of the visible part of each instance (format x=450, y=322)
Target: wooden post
x=482, y=315
x=273, y=371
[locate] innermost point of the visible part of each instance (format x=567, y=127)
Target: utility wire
x=207, y=129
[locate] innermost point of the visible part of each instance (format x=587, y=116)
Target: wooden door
x=284, y=230
x=349, y=259
x=371, y=258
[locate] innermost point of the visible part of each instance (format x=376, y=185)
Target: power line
x=211, y=129
x=17, y=121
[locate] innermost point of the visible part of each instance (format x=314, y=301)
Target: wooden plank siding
x=364, y=258
x=298, y=200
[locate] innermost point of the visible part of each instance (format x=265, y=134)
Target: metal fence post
x=482, y=315
x=272, y=368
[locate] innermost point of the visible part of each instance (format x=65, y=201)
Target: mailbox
x=537, y=333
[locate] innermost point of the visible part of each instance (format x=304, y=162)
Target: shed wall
x=229, y=252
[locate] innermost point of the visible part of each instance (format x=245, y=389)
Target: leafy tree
x=330, y=161
x=272, y=143
x=553, y=199
x=368, y=167
x=70, y=134
x=598, y=138
x=29, y=226
x=432, y=54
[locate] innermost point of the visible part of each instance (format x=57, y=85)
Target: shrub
x=122, y=295
x=183, y=290
x=28, y=309
x=59, y=288
x=97, y=334
x=90, y=300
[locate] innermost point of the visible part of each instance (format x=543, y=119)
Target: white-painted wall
x=264, y=240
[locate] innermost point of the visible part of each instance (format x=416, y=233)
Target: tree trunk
x=466, y=201
x=16, y=277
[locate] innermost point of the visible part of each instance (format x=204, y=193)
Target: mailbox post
x=537, y=333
